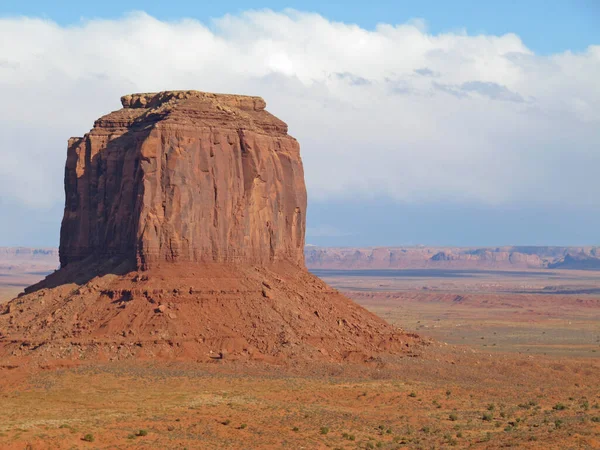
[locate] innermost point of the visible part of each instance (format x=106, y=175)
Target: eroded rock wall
x=185, y=177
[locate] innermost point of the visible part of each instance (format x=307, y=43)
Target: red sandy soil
x=293, y=386
x=448, y=397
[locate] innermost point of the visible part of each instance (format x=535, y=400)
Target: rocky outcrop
x=577, y=261
x=185, y=176
x=183, y=238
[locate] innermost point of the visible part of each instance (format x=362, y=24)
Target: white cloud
x=394, y=111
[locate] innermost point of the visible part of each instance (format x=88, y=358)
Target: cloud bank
x=392, y=112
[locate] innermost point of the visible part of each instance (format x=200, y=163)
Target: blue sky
x=544, y=25
x=448, y=133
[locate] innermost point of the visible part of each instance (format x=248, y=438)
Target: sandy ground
x=550, y=313
x=451, y=397
x=13, y=282
x=537, y=387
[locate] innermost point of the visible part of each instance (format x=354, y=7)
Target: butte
x=183, y=238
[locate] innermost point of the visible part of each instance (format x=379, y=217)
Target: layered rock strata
x=185, y=177
x=183, y=238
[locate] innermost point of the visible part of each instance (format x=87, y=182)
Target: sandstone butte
x=183, y=238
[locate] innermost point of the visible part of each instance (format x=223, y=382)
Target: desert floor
x=514, y=361
x=13, y=282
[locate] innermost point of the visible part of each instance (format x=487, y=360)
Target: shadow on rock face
x=81, y=272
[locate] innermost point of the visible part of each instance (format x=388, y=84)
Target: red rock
x=185, y=176
x=196, y=202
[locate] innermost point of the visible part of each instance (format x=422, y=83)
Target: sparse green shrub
x=453, y=417
x=243, y=426
x=142, y=433
x=487, y=417
x=596, y=419
x=558, y=423
x=296, y=429
x=559, y=407
x=324, y=430
x=491, y=407
x=226, y=422
x=448, y=392
x=89, y=438
x=412, y=394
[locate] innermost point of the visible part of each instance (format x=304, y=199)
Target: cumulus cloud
x=393, y=111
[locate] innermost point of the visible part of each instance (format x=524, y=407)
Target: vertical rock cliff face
x=185, y=176
x=183, y=238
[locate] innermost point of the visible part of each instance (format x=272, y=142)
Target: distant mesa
x=578, y=261
x=442, y=256
x=183, y=238
x=484, y=258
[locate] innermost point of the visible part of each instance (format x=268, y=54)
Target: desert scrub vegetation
x=324, y=430
x=349, y=437
x=88, y=438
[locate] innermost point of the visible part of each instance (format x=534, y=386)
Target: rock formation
x=420, y=257
x=183, y=237
x=185, y=177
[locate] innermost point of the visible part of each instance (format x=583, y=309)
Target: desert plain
x=183, y=315
x=511, y=359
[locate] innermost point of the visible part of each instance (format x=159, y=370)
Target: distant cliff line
x=507, y=257
x=28, y=252
x=28, y=259
x=348, y=258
